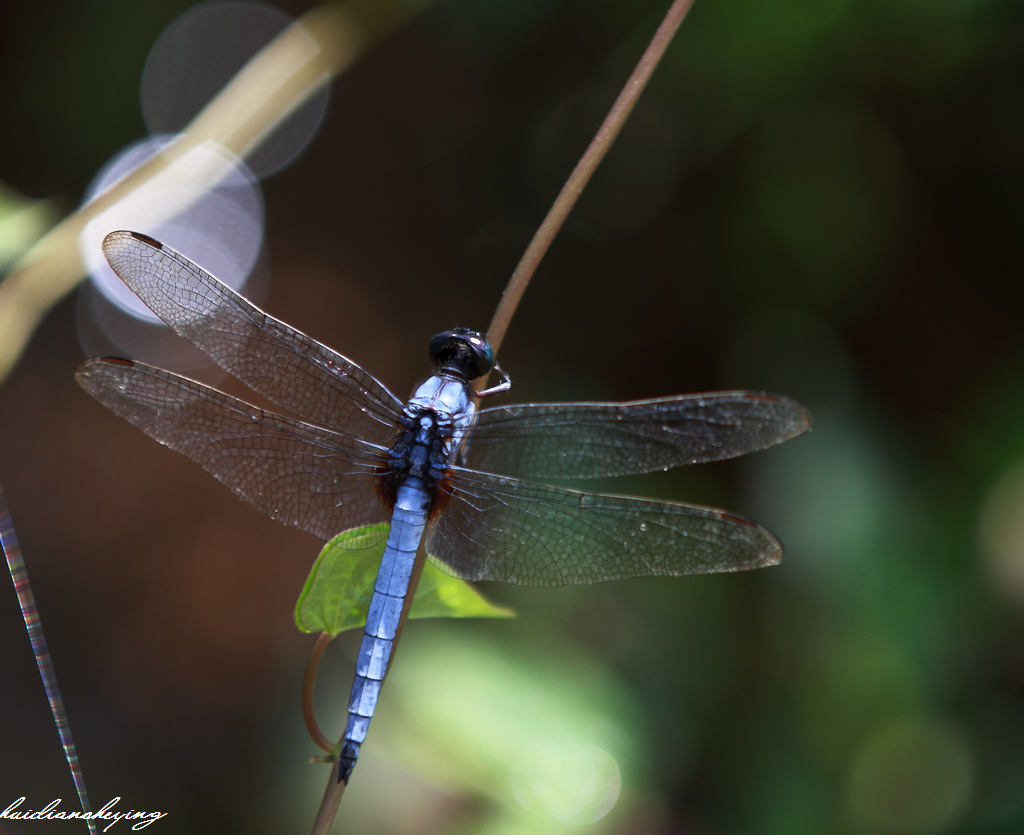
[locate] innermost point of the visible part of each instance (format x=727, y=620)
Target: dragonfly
x=466, y=483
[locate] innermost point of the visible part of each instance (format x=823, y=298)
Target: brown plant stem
x=308, y=680
x=580, y=176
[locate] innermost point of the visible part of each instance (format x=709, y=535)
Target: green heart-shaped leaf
x=338, y=590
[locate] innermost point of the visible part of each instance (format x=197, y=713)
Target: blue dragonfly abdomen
x=384, y=616
x=434, y=422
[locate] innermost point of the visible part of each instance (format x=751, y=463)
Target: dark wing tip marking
x=88, y=369
x=153, y=242
x=771, y=553
x=113, y=239
x=740, y=520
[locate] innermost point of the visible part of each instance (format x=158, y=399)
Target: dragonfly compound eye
x=463, y=352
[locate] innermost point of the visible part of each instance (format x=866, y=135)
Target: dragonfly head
x=461, y=352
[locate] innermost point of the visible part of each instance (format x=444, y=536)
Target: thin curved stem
x=308, y=682
x=580, y=176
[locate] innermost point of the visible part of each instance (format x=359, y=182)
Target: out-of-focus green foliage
x=545, y=758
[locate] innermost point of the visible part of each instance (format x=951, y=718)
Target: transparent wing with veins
x=319, y=473
x=593, y=440
x=316, y=479
x=287, y=367
x=499, y=528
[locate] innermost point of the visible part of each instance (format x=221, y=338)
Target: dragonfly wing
x=499, y=528
x=271, y=357
x=591, y=440
x=297, y=473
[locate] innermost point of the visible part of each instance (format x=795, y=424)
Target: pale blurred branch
x=265, y=92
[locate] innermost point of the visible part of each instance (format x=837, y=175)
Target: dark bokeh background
x=820, y=198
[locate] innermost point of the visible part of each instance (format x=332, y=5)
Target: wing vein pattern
x=283, y=364
x=499, y=528
x=297, y=473
x=592, y=440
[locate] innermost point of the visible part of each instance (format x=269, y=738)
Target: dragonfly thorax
x=421, y=448
x=433, y=424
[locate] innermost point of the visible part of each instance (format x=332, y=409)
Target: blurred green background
x=816, y=197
